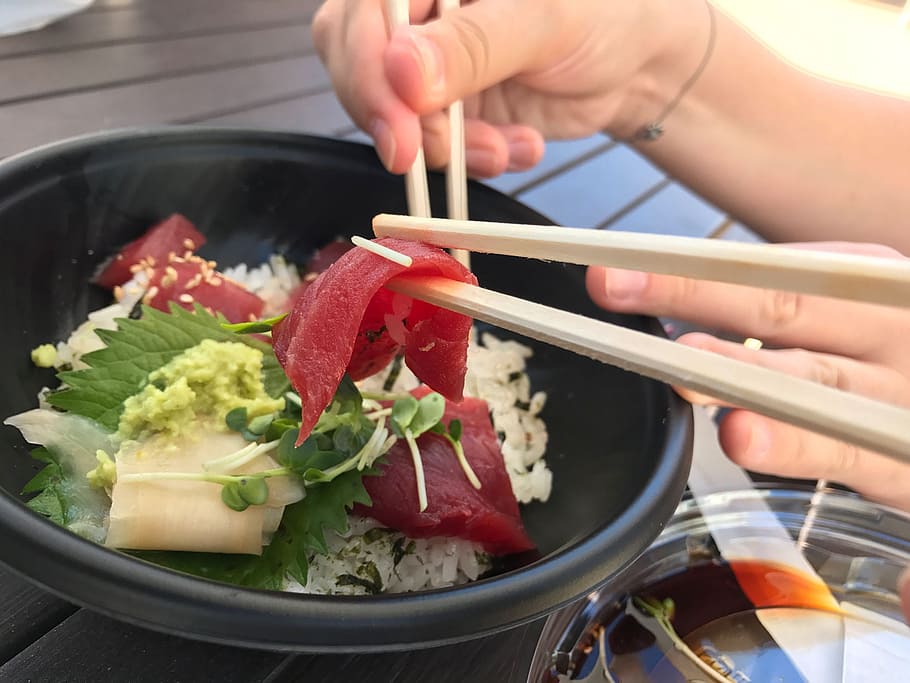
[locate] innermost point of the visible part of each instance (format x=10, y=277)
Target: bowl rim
x=147, y=595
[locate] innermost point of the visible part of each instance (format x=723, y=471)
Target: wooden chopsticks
x=397, y=13
x=879, y=426
x=865, y=422
x=416, y=186
x=843, y=276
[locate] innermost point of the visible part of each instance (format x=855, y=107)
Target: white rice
x=272, y=282
x=369, y=558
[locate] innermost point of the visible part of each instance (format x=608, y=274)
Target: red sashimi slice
x=174, y=235
x=325, y=256
x=345, y=321
x=188, y=281
x=319, y=263
x=488, y=515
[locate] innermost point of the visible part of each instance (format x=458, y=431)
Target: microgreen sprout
x=308, y=461
x=241, y=457
x=453, y=436
x=661, y=612
x=239, y=490
x=254, y=327
x=410, y=419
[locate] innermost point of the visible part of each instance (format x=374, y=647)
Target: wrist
x=678, y=32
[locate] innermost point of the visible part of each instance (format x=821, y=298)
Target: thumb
x=463, y=52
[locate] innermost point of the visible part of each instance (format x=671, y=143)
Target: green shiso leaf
x=139, y=347
x=51, y=501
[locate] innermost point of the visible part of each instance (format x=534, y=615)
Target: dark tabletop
x=251, y=62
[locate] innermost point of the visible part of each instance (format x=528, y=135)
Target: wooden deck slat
x=558, y=156
x=109, y=5
x=737, y=232
x=90, y=647
x=321, y=114
x=504, y=658
x=184, y=98
x=159, y=20
x=587, y=194
x=26, y=614
x=63, y=72
x=674, y=210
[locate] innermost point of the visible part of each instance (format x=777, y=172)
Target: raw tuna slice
x=346, y=321
x=191, y=280
x=175, y=235
x=488, y=515
x=319, y=263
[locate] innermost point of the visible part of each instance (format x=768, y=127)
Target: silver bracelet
x=655, y=129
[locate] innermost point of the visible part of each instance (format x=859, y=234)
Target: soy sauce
x=715, y=612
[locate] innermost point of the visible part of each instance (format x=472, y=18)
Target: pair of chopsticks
x=416, y=186
x=865, y=422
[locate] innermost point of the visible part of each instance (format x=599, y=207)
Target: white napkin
x=19, y=16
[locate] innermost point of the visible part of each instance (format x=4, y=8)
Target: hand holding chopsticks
x=416, y=186
x=866, y=422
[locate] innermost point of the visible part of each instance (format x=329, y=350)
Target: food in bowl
x=175, y=435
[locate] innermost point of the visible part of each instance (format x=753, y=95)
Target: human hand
x=525, y=68
x=855, y=347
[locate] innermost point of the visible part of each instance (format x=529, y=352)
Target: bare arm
x=791, y=155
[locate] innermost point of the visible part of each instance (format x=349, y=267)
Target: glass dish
x=721, y=612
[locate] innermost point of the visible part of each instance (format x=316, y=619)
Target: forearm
x=791, y=155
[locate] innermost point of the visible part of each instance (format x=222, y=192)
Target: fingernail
x=521, y=155
x=384, y=141
x=759, y=442
x=620, y=285
x=430, y=61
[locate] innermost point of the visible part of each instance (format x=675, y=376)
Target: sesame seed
x=186, y=298
x=189, y=244
x=136, y=267
x=118, y=292
x=214, y=281
x=170, y=270
x=150, y=260
x=152, y=293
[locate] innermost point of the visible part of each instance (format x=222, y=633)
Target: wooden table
x=251, y=62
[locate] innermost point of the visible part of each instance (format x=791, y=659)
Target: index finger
x=778, y=318
x=351, y=38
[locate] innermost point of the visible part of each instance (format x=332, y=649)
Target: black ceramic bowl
x=620, y=444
